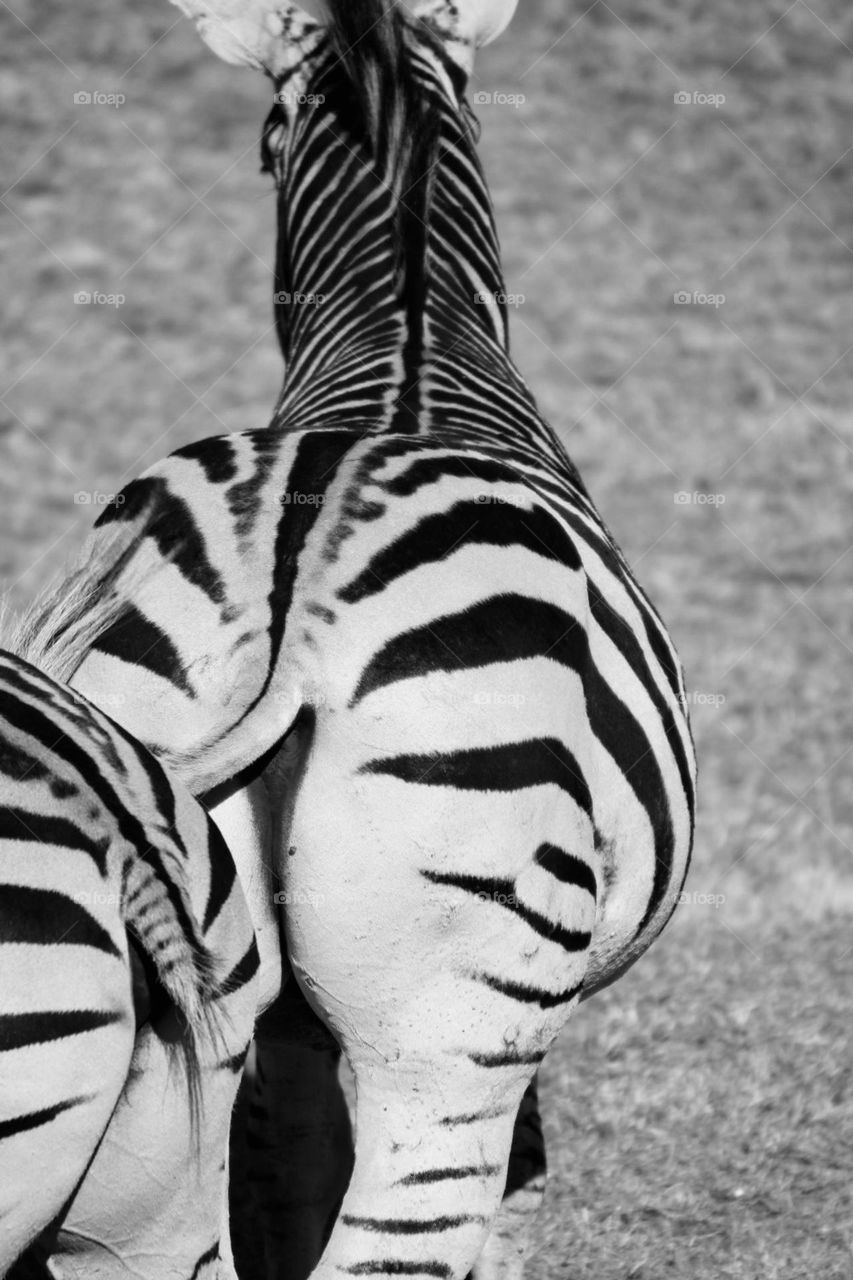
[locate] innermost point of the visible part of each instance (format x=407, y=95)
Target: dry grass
x=696, y=1112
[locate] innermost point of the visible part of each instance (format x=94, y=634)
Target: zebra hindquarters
x=153, y=1204
x=66, y=1039
x=445, y=956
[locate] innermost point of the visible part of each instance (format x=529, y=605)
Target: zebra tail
x=158, y=915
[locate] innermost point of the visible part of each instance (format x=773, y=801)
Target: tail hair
x=58, y=628
x=158, y=915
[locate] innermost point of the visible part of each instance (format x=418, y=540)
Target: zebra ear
x=258, y=33
x=463, y=25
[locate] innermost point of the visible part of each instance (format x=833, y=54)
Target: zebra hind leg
x=508, y=1245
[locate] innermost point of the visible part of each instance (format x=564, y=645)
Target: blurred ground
x=699, y=1112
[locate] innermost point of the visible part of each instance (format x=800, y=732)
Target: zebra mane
x=371, y=44
x=58, y=628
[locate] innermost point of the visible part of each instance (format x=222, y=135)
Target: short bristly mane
x=367, y=57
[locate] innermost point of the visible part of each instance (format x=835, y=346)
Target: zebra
x=392, y=645
x=127, y=1000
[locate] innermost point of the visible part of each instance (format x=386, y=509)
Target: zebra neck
x=374, y=310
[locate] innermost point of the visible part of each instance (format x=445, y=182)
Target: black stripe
x=210, y=1255
x=427, y=1176
x=42, y=728
x=516, y=627
x=245, y=498
x=65, y=702
x=436, y=537
x=35, y=1119
x=399, y=1267
x=18, y=764
x=137, y=640
x=502, y=893
x=19, y=1030
x=431, y=469
x=622, y=637
x=622, y=735
x=504, y=628
x=216, y=456
x=428, y=470
x=411, y=1226
x=21, y=824
x=506, y=1058
x=243, y=971
x=48, y=918
x=566, y=868
x=222, y=873
x=512, y=766
x=529, y=995
x=614, y=564
x=236, y=1062
x=458, y=639
x=474, y=1117
x=318, y=457
x=162, y=792
x=172, y=526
